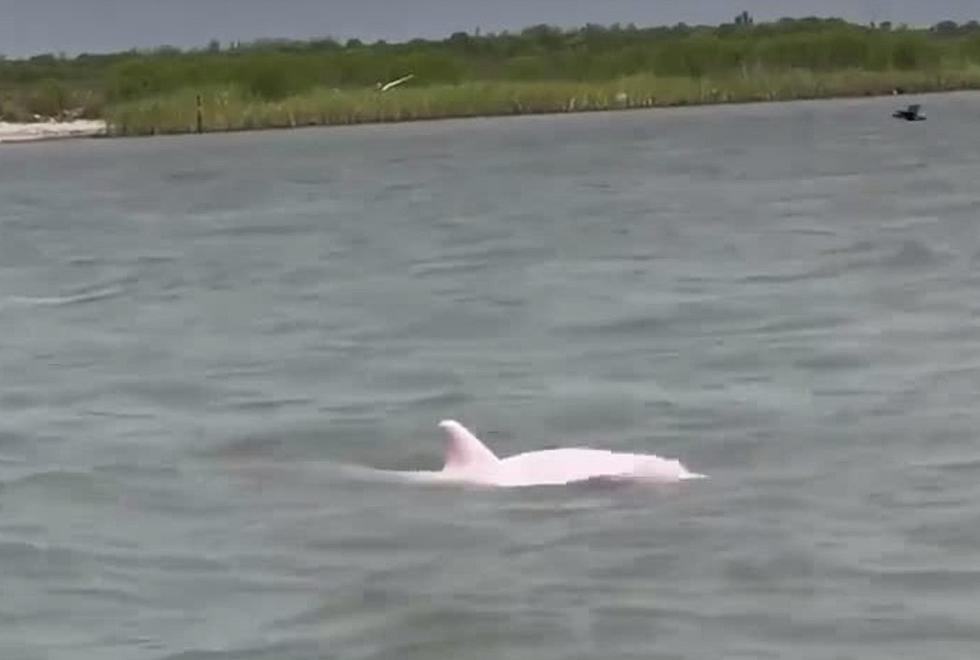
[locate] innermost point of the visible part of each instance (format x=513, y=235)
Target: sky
x=29, y=27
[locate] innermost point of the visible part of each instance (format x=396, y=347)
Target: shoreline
x=543, y=69
x=44, y=131
x=25, y=133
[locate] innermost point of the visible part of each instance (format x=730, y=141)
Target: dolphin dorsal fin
x=463, y=448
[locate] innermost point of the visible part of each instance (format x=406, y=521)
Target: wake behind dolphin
x=469, y=461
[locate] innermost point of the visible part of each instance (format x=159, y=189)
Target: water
x=199, y=333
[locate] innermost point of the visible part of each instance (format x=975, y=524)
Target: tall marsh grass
x=228, y=108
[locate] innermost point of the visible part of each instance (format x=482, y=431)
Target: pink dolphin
x=469, y=461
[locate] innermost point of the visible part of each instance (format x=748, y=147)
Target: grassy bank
x=228, y=108
x=540, y=69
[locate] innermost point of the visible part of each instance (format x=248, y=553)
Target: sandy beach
x=50, y=130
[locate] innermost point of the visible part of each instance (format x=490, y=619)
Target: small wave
x=448, y=399
x=857, y=247
x=449, y=267
x=833, y=361
x=909, y=222
x=470, y=260
x=271, y=444
x=118, y=415
x=86, y=260
x=192, y=176
x=93, y=292
x=626, y=326
x=62, y=301
x=260, y=230
x=490, y=300
x=925, y=579
x=783, y=278
x=400, y=187
x=267, y=404
x=348, y=406
x=800, y=324
x=11, y=438
x=51, y=480
x=970, y=464
x=120, y=596
x=26, y=553
x=155, y=258
x=283, y=649
x=912, y=254
x=812, y=231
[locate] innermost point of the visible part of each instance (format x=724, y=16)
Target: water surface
x=199, y=333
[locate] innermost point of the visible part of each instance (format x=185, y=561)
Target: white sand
x=50, y=130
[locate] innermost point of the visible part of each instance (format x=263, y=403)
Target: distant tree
x=544, y=35
x=744, y=19
x=323, y=43
x=50, y=99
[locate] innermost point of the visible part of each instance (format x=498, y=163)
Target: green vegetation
x=542, y=69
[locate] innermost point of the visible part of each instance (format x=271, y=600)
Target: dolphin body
x=469, y=461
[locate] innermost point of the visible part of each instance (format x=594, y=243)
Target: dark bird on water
x=911, y=113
